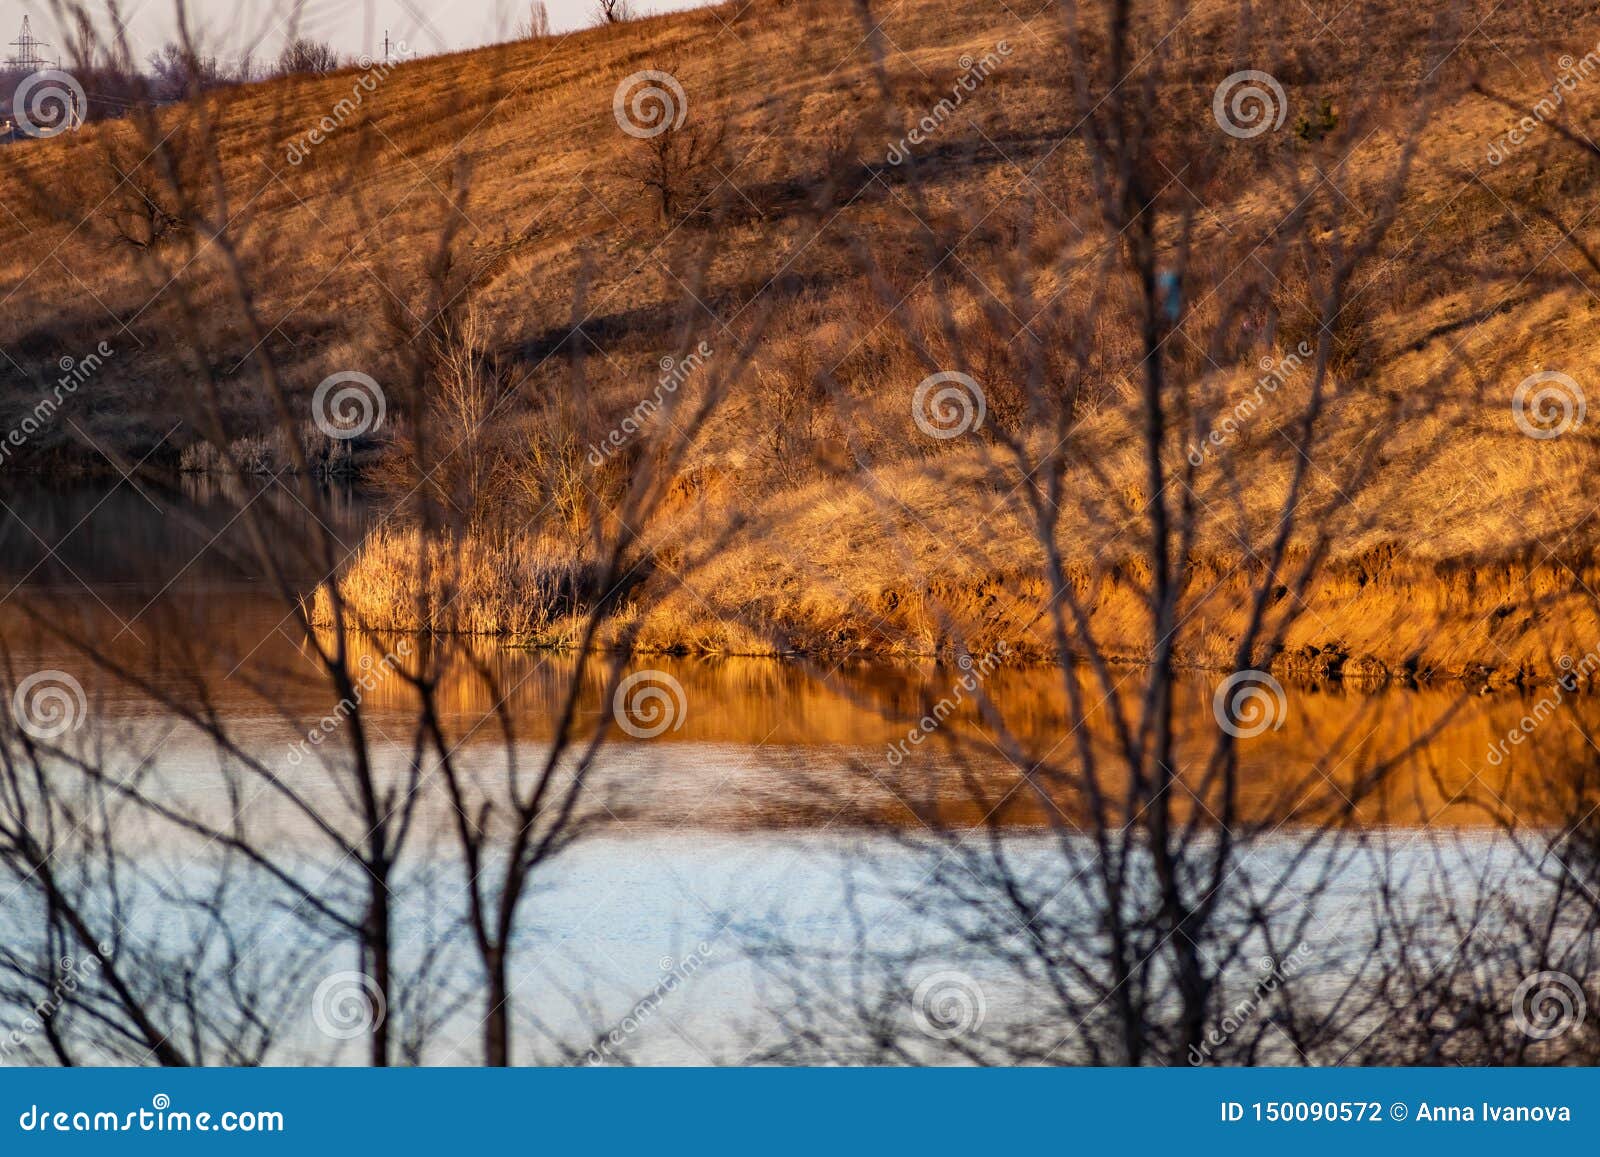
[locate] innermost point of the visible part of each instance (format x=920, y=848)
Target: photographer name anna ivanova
x=1364, y=1112
x=1491, y=1114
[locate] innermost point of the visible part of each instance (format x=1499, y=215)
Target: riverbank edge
x=1377, y=620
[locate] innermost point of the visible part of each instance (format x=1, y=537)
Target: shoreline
x=1372, y=620
x=1368, y=621
x=1309, y=668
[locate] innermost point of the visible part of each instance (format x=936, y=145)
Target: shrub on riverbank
x=516, y=588
x=271, y=453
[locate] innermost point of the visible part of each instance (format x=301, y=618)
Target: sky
x=230, y=28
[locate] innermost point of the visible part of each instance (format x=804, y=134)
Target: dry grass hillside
x=516, y=151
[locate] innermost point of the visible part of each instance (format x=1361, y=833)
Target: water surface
x=771, y=784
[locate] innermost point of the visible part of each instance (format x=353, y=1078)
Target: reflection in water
x=751, y=742
x=773, y=739
x=726, y=786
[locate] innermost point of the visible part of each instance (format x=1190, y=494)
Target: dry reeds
x=519, y=588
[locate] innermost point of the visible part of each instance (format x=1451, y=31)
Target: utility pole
x=28, y=55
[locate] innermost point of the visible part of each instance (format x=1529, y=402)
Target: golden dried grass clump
x=470, y=586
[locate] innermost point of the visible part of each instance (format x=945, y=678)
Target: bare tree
x=177, y=75
x=613, y=11
x=679, y=169
x=1122, y=873
x=329, y=836
x=537, y=24
x=302, y=56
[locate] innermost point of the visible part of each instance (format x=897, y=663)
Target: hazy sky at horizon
x=231, y=28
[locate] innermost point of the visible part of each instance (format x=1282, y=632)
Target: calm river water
x=775, y=784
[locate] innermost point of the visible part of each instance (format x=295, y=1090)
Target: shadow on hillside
x=660, y=326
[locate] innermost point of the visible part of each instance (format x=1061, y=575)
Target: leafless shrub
x=1122, y=877
x=367, y=802
x=679, y=170
x=176, y=74
x=536, y=26
x=306, y=57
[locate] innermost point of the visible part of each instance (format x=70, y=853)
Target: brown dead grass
x=833, y=563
